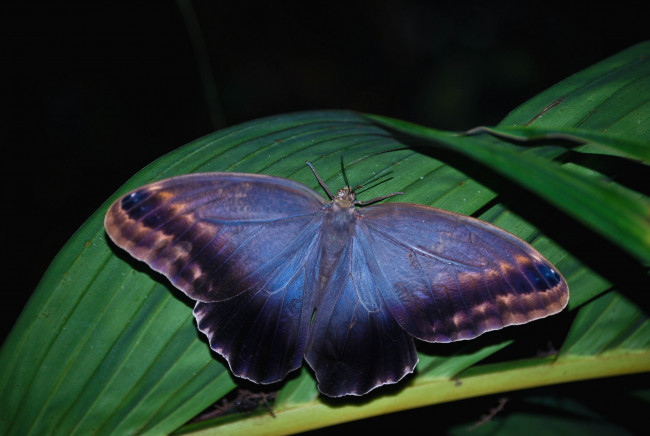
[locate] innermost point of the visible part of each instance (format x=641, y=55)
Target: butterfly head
x=345, y=200
x=346, y=195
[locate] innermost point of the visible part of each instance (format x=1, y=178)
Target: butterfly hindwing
x=448, y=277
x=262, y=331
x=355, y=345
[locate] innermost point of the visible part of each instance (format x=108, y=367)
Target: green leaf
x=606, y=107
x=598, y=142
x=107, y=346
x=542, y=415
x=622, y=216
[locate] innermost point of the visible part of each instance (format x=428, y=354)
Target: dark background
x=93, y=91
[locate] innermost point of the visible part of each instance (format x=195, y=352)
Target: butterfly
x=280, y=274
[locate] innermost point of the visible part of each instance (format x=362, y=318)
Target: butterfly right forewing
x=448, y=277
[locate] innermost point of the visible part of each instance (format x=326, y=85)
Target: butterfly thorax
x=338, y=230
x=341, y=213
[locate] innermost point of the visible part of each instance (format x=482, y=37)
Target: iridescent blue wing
x=355, y=344
x=447, y=277
x=245, y=247
x=256, y=255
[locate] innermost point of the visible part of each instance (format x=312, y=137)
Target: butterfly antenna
x=320, y=181
x=376, y=199
x=372, y=200
x=376, y=179
x=345, y=176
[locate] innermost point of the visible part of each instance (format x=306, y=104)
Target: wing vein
x=422, y=252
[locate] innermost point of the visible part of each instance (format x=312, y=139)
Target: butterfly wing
x=243, y=246
x=355, y=344
x=448, y=277
x=250, y=249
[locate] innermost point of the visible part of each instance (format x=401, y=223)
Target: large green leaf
x=106, y=346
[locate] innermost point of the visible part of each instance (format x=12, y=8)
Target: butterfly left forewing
x=209, y=232
x=448, y=277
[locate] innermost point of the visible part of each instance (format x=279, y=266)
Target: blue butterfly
x=280, y=274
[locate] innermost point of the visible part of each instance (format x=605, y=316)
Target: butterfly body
x=280, y=274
